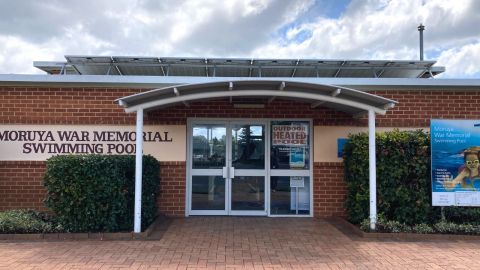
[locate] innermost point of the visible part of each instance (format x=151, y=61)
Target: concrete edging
x=405, y=236
x=83, y=236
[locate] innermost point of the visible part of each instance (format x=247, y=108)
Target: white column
x=372, y=162
x=138, y=173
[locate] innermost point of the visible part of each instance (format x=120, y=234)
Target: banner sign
x=290, y=145
x=39, y=142
x=455, y=148
x=295, y=134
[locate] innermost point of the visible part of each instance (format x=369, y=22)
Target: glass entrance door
x=249, y=165
x=227, y=171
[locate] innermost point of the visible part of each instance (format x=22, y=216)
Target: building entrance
x=249, y=167
x=228, y=168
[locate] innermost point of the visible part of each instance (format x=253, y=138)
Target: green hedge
x=27, y=221
x=403, y=180
x=440, y=227
x=403, y=176
x=96, y=192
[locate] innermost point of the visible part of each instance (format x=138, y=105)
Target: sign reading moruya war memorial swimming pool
x=455, y=162
x=39, y=142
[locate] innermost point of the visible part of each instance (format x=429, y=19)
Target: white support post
x=137, y=228
x=372, y=162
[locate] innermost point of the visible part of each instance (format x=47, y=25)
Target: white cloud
x=16, y=55
x=33, y=30
x=461, y=62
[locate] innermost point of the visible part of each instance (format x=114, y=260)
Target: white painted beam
x=177, y=93
x=372, y=162
x=389, y=106
x=335, y=93
x=280, y=88
x=230, y=88
x=137, y=227
x=254, y=93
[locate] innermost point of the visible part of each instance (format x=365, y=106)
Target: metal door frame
x=268, y=171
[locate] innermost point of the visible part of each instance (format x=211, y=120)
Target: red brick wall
x=171, y=200
x=416, y=108
x=20, y=182
x=21, y=185
x=329, y=189
x=30, y=105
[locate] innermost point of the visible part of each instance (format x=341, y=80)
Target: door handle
x=228, y=172
x=225, y=172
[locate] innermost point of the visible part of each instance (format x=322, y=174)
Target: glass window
x=208, y=193
x=248, y=193
x=248, y=147
x=209, y=143
x=290, y=195
x=290, y=145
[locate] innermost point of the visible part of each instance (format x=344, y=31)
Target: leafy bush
x=27, y=221
x=403, y=176
x=384, y=225
x=96, y=192
x=462, y=214
x=423, y=228
x=468, y=229
x=403, y=182
x=442, y=227
x=446, y=227
x=396, y=227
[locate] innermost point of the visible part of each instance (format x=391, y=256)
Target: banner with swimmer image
x=455, y=146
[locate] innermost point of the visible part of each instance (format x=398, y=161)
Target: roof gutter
x=164, y=81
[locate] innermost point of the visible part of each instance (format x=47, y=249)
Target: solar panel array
x=239, y=67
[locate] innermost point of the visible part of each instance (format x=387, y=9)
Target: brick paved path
x=239, y=243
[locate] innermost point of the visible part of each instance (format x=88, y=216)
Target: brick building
x=234, y=136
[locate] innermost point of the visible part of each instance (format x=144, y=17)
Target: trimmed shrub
x=403, y=181
x=27, y=221
x=422, y=228
x=442, y=227
x=446, y=227
x=384, y=225
x=403, y=176
x=96, y=192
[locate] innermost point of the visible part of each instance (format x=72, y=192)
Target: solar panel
x=239, y=67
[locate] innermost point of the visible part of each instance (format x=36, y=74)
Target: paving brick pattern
x=242, y=243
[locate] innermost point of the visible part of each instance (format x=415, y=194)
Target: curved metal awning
x=339, y=98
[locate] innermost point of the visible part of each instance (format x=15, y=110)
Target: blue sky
x=33, y=30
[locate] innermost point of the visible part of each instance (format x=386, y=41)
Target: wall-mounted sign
x=340, y=145
x=455, y=162
x=39, y=142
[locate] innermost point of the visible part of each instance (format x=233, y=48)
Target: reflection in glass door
x=227, y=169
x=248, y=162
x=208, y=158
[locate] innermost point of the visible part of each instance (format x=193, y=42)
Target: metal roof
x=340, y=98
x=239, y=67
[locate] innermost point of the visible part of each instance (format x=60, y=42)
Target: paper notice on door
x=297, y=157
x=297, y=181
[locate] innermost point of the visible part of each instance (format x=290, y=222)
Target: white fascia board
x=154, y=103
x=164, y=81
